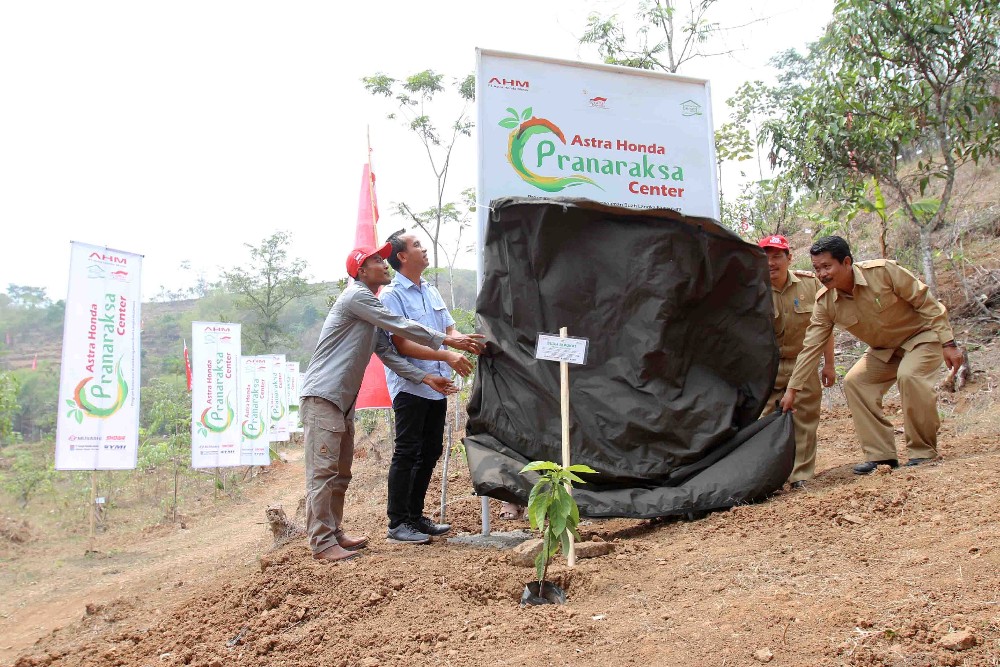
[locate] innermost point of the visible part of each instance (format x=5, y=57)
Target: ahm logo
x=599, y=102
x=113, y=259
x=509, y=84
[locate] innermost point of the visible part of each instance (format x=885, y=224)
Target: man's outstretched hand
x=460, y=363
x=440, y=385
x=474, y=343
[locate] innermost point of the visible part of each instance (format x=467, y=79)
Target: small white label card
x=550, y=347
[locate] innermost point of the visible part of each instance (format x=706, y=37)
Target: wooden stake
x=93, y=505
x=564, y=408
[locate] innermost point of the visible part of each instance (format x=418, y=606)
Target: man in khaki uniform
x=794, y=295
x=907, y=331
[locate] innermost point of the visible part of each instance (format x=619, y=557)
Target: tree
x=166, y=420
x=28, y=476
x=414, y=96
x=28, y=297
x=265, y=287
x=9, y=388
x=665, y=39
x=891, y=79
x=460, y=217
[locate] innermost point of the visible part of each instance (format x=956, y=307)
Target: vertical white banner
x=97, y=427
x=298, y=428
x=215, y=395
x=279, y=400
x=255, y=383
x=292, y=377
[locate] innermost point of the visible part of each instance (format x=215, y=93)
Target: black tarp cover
x=682, y=358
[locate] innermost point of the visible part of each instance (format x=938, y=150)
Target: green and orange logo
x=252, y=429
x=212, y=420
x=86, y=391
x=523, y=127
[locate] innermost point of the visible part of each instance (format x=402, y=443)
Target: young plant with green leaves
x=552, y=509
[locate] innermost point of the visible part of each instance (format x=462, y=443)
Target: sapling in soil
x=552, y=510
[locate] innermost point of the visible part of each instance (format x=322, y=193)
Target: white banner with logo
x=278, y=431
x=293, y=385
x=97, y=426
x=255, y=383
x=616, y=135
x=215, y=395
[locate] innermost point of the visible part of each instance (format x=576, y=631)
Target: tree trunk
x=927, y=257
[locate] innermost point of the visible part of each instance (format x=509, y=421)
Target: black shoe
x=868, y=467
x=425, y=525
x=405, y=533
x=916, y=462
x=799, y=485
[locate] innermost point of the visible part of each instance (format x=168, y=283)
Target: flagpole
x=371, y=184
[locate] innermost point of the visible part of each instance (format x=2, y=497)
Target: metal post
x=444, y=471
x=564, y=408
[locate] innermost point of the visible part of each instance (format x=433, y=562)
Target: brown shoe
x=336, y=554
x=348, y=542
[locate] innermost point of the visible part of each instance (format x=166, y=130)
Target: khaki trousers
x=329, y=452
x=805, y=419
x=866, y=383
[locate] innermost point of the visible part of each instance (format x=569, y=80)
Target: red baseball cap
x=774, y=241
x=359, y=256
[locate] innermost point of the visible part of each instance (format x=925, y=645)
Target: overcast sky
x=181, y=130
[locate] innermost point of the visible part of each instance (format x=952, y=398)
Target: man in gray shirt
x=330, y=388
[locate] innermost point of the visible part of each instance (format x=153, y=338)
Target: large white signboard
x=98, y=420
x=255, y=380
x=215, y=395
x=617, y=135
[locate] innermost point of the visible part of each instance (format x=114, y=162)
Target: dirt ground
x=880, y=570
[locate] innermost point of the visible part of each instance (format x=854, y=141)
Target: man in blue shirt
x=420, y=411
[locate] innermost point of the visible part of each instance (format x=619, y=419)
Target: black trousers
x=419, y=444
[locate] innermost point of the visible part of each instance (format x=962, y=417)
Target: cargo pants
x=329, y=452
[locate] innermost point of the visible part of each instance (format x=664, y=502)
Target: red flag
x=374, y=392
x=187, y=365
x=34, y=363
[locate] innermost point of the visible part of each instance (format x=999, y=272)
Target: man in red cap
x=793, y=294
x=330, y=388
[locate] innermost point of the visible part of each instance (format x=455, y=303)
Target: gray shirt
x=349, y=337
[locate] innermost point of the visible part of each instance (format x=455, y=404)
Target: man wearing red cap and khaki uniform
x=330, y=388
x=793, y=294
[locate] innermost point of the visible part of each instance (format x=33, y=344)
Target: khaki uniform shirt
x=890, y=309
x=793, y=308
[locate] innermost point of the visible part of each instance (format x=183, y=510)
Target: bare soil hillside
x=901, y=568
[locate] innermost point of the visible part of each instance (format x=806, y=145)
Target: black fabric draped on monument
x=682, y=358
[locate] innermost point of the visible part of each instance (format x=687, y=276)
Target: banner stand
x=93, y=508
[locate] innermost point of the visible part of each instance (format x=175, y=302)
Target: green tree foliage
x=902, y=91
x=413, y=97
x=27, y=297
x=265, y=286
x=669, y=35
x=29, y=475
x=9, y=389
x=37, y=399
